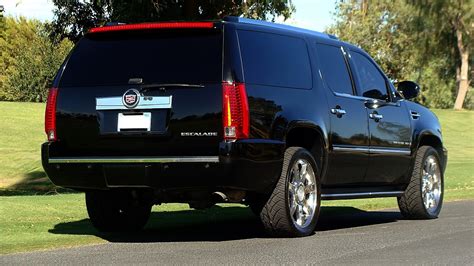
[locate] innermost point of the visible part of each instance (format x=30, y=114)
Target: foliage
x=74, y=18
x=29, y=60
x=407, y=44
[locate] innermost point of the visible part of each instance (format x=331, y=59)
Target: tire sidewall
x=303, y=154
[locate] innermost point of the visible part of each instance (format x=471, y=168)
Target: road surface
x=344, y=236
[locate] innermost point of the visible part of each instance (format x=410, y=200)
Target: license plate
x=134, y=122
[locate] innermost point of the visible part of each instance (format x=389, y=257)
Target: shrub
x=29, y=60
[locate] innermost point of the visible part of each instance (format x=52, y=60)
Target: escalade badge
x=198, y=134
x=131, y=98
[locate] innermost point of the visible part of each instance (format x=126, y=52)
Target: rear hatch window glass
x=156, y=57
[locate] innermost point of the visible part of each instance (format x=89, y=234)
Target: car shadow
x=221, y=224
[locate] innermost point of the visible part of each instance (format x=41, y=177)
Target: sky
x=310, y=14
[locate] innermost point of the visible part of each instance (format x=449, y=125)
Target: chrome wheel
x=431, y=184
x=302, y=193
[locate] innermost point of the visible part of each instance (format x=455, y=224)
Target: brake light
x=50, y=115
x=150, y=26
x=235, y=111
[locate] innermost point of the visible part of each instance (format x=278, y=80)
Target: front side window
x=371, y=82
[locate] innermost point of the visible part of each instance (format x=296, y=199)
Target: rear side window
x=334, y=68
x=275, y=60
x=372, y=83
x=157, y=57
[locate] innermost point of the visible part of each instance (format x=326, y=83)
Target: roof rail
x=276, y=26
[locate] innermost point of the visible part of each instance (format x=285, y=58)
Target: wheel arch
x=429, y=138
x=310, y=136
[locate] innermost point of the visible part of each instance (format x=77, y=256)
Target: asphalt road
x=344, y=236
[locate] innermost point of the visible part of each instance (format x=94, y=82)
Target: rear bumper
x=251, y=165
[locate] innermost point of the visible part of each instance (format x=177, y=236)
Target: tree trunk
x=463, y=75
x=190, y=9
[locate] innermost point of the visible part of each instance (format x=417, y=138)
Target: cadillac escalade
x=237, y=111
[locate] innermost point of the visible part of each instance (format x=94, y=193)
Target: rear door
x=175, y=74
x=348, y=134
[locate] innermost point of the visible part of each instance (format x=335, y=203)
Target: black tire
x=116, y=211
x=412, y=204
x=275, y=214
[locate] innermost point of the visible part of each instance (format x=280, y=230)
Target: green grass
x=21, y=134
x=43, y=222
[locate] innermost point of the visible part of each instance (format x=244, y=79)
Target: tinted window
x=275, y=60
x=334, y=68
x=372, y=83
x=108, y=59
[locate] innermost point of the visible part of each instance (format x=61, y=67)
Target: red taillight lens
x=50, y=115
x=235, y=110
x=150, y=26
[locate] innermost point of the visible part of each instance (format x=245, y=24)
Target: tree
x=454, y=19
x=29, y=60
x=73, y=18
x=404, y=42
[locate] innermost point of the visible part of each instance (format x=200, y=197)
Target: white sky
x=310, y=14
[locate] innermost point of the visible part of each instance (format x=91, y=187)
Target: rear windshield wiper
x=164, y=86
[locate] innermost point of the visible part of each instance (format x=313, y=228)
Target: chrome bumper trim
x=358, y=195
x=182, y=159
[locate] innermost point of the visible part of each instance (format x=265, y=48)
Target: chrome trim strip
x=356, y=195
x=350, y=96
x=146, y=102
x=350, y=149
x=362, y=98
x=397, y=151
x=371, y=150
x=182, y=159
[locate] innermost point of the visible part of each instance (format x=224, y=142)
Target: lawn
x=33, y=222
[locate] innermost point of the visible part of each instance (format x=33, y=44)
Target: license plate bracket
x=134, y=121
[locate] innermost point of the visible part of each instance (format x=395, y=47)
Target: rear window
x=334, y=68
x=275, y=60
x=161, y=57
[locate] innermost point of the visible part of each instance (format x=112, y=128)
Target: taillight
x=235, y=110
x=50, y=115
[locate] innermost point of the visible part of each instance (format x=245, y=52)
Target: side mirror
x=408, y=89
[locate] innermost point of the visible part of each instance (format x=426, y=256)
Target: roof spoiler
x=277, y=26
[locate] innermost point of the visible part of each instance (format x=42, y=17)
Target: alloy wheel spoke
x=303, y=169
x=293, y=207
x=309, y=189
x=296, y=173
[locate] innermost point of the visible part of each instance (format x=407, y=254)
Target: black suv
x=238, y=111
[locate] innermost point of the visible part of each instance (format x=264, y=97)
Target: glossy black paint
x=79, y=124
x=357, y=151
x=408, y=89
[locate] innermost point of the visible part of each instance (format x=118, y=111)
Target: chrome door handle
x=337, y=111
x=375, y=117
